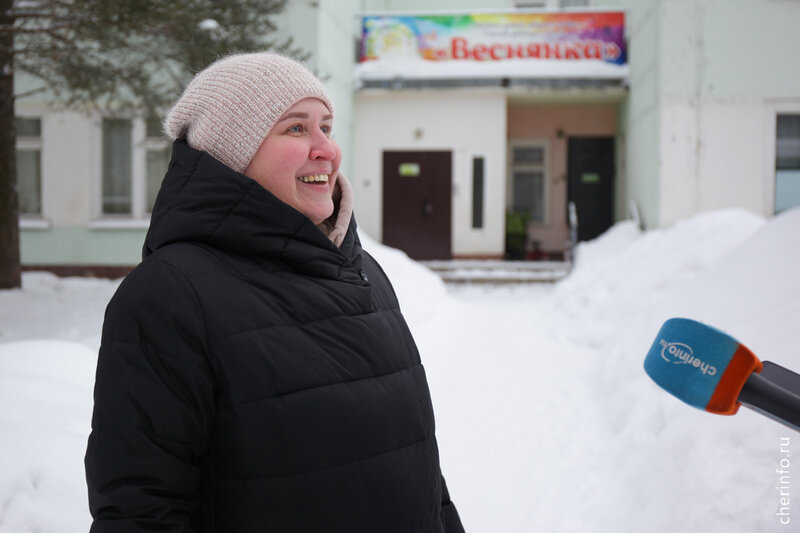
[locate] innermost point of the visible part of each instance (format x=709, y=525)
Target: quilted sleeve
x=450, y=518
x=153, y=406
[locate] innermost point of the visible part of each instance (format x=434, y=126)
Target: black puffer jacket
x=253, y=377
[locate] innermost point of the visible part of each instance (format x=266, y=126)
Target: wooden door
x=417, y=203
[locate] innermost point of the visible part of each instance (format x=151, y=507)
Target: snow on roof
x=418, y=68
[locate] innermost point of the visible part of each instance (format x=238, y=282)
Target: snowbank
x=45, y=410
x=418, y=290
x=49, y=307
x=666, y=466
x=547, y=421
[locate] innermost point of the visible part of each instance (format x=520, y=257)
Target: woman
x=255, y=372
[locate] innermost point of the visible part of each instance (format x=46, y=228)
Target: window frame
x=31, y=143
x=544, y=167
x=770, y=136
x=141, y=144
x=795, y=168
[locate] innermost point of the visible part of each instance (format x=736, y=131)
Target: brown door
x=416, y=203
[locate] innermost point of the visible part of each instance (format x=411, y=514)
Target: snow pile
x=624, y=273
x=208, y=25
x=418, y=289
x=668, y=465
x=546, y=419
x=45, y=404
x=50, y=307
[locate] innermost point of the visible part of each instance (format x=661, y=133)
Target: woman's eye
x=326, y=130
x=297, y=128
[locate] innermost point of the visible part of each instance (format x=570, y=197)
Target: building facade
x=451, y=156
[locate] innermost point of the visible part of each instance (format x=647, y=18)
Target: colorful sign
x=574, y=36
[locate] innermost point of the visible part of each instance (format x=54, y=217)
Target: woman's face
x=298, y=161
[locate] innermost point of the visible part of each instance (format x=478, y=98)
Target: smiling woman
x=255, y=372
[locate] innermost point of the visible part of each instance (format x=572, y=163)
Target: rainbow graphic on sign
x=580, y=36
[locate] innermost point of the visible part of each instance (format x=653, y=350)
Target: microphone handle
x=763, y=395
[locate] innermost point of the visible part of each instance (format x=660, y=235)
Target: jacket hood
x=202, y=200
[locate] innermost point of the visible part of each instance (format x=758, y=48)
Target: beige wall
x=707, y=79
x=554, y=124
x=469, y=123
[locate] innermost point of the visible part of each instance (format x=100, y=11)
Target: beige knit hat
x=229, y=108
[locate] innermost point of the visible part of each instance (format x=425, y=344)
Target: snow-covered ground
x=546, y=419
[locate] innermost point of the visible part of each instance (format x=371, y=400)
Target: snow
x=208, y=25
x=498, y=271
x=46, y=395
x=418, y=68
x=546, y=420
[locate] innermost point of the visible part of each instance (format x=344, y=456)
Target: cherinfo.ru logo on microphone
x=701, y=365
x=682, y=354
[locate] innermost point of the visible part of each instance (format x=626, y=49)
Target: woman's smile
x=314, y=178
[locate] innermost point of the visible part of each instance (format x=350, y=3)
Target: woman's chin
x=319, y=215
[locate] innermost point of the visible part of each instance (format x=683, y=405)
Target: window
x=477, y=192
x=787, y=162
x=29, y=165
x=527, y=176
x=135, y=158
x=117, y=147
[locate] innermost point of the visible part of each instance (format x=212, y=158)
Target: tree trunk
x=9, y=215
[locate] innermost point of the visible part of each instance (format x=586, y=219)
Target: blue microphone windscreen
x=700, y=365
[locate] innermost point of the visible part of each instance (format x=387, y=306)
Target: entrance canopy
x=490, y=49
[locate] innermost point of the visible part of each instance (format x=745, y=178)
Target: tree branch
x=30, y=93
x=43, y=29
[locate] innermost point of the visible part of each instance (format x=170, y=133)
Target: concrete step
x=497, y=272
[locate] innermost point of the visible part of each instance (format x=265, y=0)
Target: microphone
x=710, y=370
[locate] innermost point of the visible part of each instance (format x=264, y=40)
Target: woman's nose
x=323, y=147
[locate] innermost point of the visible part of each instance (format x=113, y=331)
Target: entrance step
x=496, y=271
